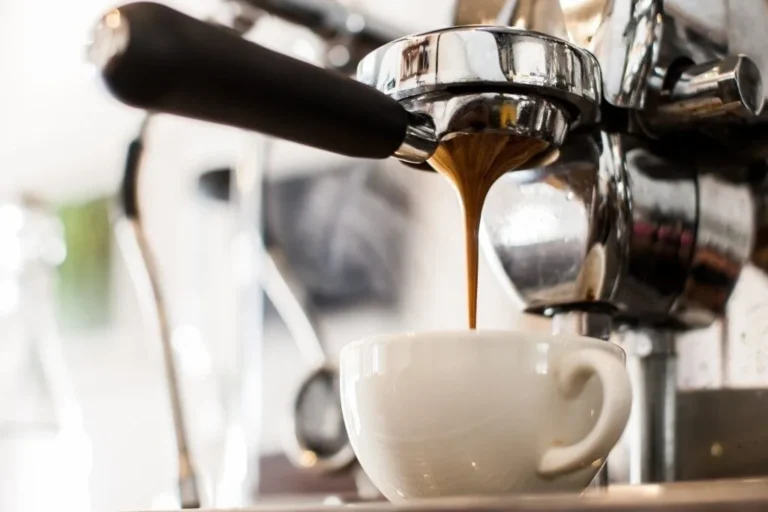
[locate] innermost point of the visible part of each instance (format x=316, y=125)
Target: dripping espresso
x=472, y=162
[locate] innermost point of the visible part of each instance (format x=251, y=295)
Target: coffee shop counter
x=744, y=495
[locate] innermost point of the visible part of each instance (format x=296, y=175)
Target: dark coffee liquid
x=473, y=162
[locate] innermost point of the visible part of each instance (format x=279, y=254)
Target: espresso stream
x=473, y=162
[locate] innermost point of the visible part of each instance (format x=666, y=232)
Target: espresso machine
x=633, y=227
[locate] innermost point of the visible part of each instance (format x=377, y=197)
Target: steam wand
x=142, y=266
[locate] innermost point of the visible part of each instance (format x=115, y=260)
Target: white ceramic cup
x=436, y=414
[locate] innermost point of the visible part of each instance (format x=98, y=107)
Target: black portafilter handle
x=158, y=59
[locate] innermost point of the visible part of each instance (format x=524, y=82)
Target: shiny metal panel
x=495, y=58
x=725, y=237
x=553, y=229
x=606, y=222
x=627, y=45
x=523, y=115
x=661, y=206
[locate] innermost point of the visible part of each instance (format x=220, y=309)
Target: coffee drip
x=473, y=162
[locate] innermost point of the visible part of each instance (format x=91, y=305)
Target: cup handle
x=571, y=374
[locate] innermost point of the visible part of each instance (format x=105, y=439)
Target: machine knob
x=718, y=91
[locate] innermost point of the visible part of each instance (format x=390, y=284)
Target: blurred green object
x=84, y=284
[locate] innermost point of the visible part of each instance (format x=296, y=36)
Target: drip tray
x=717, y=495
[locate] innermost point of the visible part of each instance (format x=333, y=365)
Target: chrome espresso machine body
x=636, y=223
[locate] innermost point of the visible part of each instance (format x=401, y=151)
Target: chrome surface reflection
x=349, y=33
x=552, y=228
x=612, y=225
x=637, y=41
x=727, y=90
x=724, y=241
x=437, y=116
x=627, y=45
x=660, y=208
x=487, y=57
x=484, y=78
x=524, y=115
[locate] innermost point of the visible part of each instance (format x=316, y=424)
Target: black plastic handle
x=130, y=185
x=165, y=61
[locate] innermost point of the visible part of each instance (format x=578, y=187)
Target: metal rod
x=248, y=252
x=652, y=365
x=187, y=480
x=660, y=377
x=286, y=293
x=142, y=267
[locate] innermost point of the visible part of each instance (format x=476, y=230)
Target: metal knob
x=725, y=90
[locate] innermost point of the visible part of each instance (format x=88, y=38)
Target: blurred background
x=368, y=247
x=86, y=422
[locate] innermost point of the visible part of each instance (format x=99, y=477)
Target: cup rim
x=483, y=335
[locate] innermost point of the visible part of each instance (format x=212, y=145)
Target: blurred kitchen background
x=98, y=434
x=85, y=421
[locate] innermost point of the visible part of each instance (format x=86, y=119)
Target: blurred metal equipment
x=350, y=35
x=300, y=273
x=248, y=250
x=319, y=447
x=645, y=210
x=315, y=437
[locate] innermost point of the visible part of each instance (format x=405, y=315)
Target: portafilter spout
x=410, y=94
